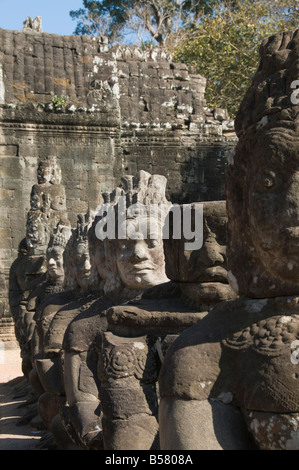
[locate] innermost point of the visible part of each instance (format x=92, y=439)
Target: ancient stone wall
x=104, y=112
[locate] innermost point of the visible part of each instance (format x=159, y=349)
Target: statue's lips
x=53, y=269
x=85, y=274
x=141, y=268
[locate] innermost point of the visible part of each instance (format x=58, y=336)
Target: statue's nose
x=139, y=252
x=87, y=265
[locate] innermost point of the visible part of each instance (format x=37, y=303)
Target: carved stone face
x=55, y=263
x=273, y=207
x=201, y=272
x=140, y=261
x=208, y=263
x=44, y=173
x=82, y=266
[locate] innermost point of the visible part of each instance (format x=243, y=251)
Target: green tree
x=224, y=45
x=218, y=39
x=155, y=19
x=102, y=17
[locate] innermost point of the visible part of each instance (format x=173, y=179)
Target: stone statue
x=24, y=273
x=51, y=283
x=127, y=267
x=47, y=209
x=47, y=206
x=201, y=273
x=32, y=25
x=135, y=258
x=140, y=331
x=230, y=381
x=78, y=278
x=72, y=334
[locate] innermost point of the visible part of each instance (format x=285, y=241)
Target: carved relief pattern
x=267, y=337
x=280, y=393
x=124, y=361
x=134, y=359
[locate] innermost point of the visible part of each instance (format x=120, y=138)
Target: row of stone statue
x=139, y=343
x=83, y=357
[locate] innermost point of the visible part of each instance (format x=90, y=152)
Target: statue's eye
x=153, y=243
x=268, y=180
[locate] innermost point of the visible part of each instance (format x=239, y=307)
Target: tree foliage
x=224, y=46
x=100, y=17
x=155, y=19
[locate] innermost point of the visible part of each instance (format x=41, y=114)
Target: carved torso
x=264, y=377
x=240, y=353
x=47, y=196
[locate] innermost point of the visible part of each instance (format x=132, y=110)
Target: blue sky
x=54, y=13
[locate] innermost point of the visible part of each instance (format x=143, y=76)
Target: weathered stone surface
x=68, y=324
x=78, y=277
x=221, y=426
x=25, y=270
x=262, y=183
x=238, y=344
x=127, y=267
x=47, y=206
x=36, y=293
x=33, y=25
x=141, y=331
x=261, y=339
x=127, y=110
x=107, y=113
x=128, y=371
x=202, y=273
x=80, y=69
x=240, y=354
x=41, y=250
x=153, y=317
x=274, y=432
